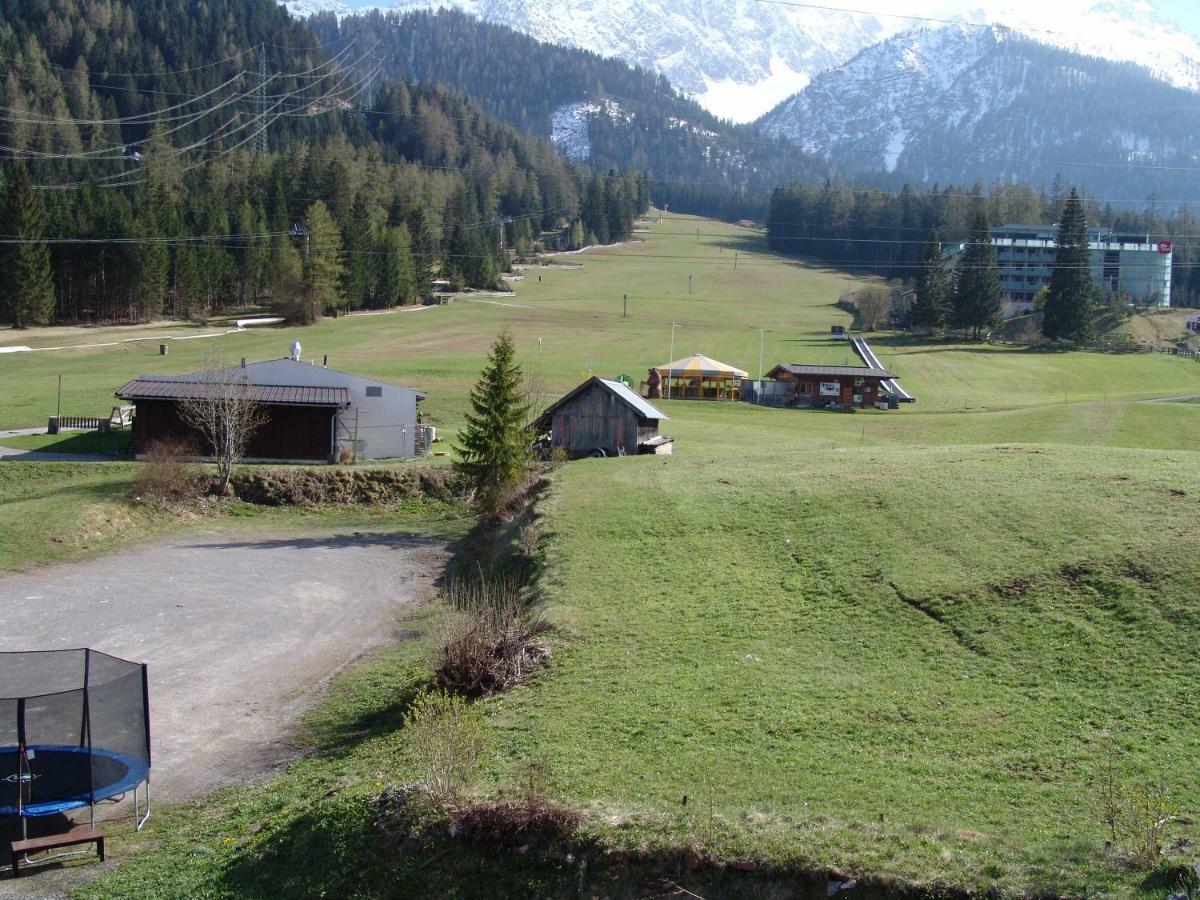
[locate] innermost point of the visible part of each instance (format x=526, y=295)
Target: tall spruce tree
x=932, y=288
x=977, y=303
x=28, y=289
x=1068, y=312
x=394, y=281
x=323, y=256
x=494, y=446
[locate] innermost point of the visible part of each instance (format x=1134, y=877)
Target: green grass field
x=904, y=642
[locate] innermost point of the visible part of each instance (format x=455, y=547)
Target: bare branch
x=225, y=413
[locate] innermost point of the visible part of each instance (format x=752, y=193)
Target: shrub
x=445, y=737
x=532, y=820
x=167, y=475
x=489, y=640
x=314, y=487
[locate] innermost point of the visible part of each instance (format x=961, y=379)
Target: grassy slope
x=857, y=696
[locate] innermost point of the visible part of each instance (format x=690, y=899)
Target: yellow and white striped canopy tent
x=697, y=377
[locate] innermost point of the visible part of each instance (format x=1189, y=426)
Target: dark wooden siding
x=290, y=432
x=807, y=389
x=597, y=419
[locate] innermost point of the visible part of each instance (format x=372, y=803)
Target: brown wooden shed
x=300, y=421
x=603, y=418
x=844, y=386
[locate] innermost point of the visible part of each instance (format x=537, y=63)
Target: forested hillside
x=628, y=118
x=170, y=175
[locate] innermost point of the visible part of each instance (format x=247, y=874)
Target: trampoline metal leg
x=138, y=819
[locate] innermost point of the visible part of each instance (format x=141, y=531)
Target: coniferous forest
x=176, y=158
x=884, y=233
x=166, y=158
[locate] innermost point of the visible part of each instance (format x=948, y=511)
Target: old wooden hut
x=602, y=418
x=807, y=385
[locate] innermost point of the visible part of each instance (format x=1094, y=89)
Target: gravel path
x=237, y=631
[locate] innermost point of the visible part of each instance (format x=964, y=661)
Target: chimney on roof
x=243, y=362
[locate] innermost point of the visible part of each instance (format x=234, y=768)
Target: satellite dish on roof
x=296, y=350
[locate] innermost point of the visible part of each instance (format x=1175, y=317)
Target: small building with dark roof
x=311, y=413
x=602, y=418
x=817, y=385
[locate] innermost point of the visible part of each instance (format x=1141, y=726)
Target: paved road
x=237, y=631
x=42, y=455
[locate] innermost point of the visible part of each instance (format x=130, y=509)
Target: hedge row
x=315, y=487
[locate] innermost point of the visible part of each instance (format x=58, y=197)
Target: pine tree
x=394, y=282
x=357, y=241
x=28, y=288
x=494, y=446
x=977, y=303
x=423, y=250
x=323, y=256
x=932, y=288
x=1068, y=312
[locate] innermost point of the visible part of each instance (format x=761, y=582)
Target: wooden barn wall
x=596, y=418
x=290, y=432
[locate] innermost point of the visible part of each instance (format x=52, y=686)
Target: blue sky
x=1185, y=12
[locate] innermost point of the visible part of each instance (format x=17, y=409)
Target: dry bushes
x=167, y=476
x=529, y=821
x=489, y=640
x=445, y=737
x=316, y=487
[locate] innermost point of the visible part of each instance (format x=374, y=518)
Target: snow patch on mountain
x=1129, y=31
x=739, y=58
x=302, y=9
x=956, y=103
x=569, y=129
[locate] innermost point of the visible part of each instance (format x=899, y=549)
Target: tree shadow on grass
x=390, y=540
x=401, y=689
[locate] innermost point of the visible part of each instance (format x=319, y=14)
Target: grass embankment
x=53, y=512
x=891, y=642
x=888, y=659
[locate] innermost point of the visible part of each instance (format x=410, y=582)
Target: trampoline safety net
x=74, y=730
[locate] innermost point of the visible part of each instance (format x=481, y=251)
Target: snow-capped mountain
x=739, y=58
x=1126, y=31
x=954, y=104
x=302, y=9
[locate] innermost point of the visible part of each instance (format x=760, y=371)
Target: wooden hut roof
x=623, y=393
x=858, y=371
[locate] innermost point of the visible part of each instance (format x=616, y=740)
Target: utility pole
x=625, y=314
x=760, y=353
x=671, y=359
x=735, y=262
x=689, y=284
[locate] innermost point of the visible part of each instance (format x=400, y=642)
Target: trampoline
x=74, y=731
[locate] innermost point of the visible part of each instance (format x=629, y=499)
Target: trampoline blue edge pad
x=136, y=772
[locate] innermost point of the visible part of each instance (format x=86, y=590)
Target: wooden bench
x=53, y=841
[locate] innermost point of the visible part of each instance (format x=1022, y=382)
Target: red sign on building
x=1165, y=246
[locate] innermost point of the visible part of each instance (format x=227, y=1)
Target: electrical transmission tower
x=260, y=141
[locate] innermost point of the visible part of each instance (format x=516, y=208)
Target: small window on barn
x=374, y=391
x=805, y=387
